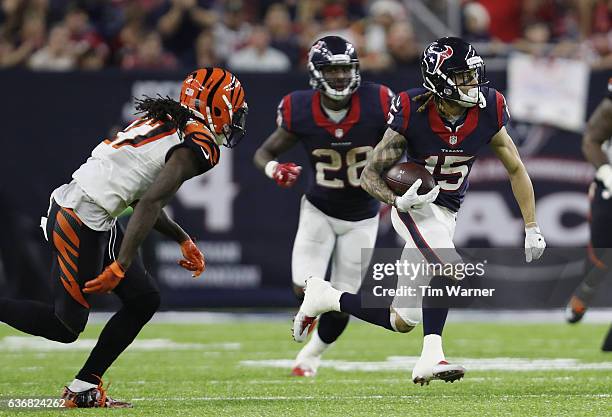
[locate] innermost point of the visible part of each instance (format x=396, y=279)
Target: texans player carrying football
x=142, y=166
x=442, y=127
x=339, y=122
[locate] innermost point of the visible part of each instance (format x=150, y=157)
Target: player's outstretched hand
x=286, y=174
x=534, y=243
x=106, y=281
x=194, y=258
x=411, y=199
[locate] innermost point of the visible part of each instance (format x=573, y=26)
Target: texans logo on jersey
x=436, y=55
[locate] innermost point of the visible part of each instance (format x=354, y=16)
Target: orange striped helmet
x=216, y=98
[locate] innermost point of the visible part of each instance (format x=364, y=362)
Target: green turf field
x=229, y=370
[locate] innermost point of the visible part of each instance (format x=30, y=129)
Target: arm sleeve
x=283, y=114
x=399, y=114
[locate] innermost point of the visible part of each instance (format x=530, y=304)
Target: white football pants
x=321, y=237
x=425, y=230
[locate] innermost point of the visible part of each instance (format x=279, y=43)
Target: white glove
x=534, y=243
x=604, y=174
x=411, y=199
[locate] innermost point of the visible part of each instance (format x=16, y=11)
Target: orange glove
x=106, y=281
x=194, y=259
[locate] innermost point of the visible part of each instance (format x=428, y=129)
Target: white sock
x=315, y=347
x=80, y=386
x=432, y=348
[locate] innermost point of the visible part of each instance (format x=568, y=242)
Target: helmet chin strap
x=470, y=99
x=336, y=96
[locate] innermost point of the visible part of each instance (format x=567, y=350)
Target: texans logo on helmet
x=321, y=48
x=436, y=55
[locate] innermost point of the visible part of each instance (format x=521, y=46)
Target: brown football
x=401, y=176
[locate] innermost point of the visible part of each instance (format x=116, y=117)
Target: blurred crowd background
x=274, y=36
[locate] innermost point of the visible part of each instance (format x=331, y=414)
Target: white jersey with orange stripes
x=119, y=171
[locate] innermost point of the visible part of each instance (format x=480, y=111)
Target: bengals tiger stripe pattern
x=66, y=240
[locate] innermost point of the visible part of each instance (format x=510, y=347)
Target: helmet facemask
x=233, y=133
x=337, y=81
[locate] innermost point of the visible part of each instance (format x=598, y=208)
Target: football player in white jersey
x=142, y=166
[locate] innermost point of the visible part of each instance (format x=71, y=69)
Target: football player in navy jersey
x=597, y=149
x=443, y=127
x=338, y=121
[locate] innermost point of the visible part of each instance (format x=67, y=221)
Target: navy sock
x=434, y=320
x=331, y=325
x=434, y=315
x=351, y=304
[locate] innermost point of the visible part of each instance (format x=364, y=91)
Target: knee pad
x=404, y=320
x=336, y=315
x=145, y=305
x=66, y=336
x=63, y=333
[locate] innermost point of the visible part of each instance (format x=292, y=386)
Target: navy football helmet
x=450, y=63
x=327, y=53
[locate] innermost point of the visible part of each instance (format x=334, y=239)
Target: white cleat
x=319, y=297
x=442, y=371
x=306, y=366
x=304, y=371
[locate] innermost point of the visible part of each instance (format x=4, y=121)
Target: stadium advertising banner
x=245, y=223
x=535, y=96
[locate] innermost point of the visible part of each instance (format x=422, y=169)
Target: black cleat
x=92, y=398
x=574, y=312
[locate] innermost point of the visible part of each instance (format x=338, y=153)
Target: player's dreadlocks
x=163, y=109
x=425, y=96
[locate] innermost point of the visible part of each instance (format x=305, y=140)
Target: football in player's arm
x=393, y=146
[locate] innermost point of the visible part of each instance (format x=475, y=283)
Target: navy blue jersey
x=447, y=151
x=338, y=151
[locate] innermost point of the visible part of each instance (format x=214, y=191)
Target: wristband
x=269, y=169
x=117, y=269
x=604, y=172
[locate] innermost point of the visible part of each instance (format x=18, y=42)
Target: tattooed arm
x=386, y=154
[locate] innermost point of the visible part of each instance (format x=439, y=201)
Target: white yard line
x=326, y=397
x=598, y=315
x=38, y=344
x=406, y=363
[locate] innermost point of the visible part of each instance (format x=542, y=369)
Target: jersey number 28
x=354, y=166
